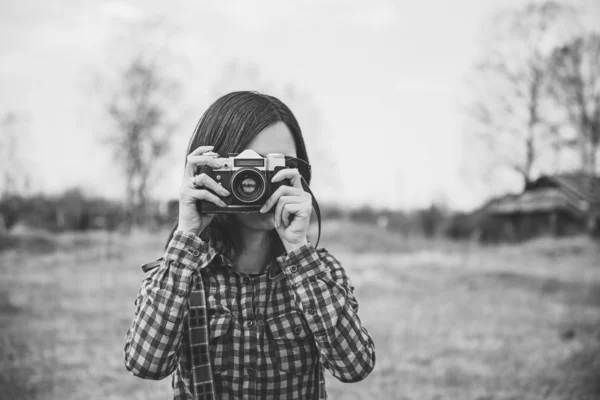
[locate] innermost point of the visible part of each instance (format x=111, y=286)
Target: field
x=449, y=320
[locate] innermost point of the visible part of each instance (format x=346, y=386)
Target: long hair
x=230, y=124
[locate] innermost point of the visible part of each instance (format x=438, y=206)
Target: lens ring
x=242, y=175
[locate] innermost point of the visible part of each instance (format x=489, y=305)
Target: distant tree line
x=69, y=211
x=436, y=220
x=73, y=210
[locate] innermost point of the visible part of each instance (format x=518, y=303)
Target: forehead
x=275, y=138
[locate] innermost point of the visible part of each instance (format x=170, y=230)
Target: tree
x=140, y=107
x=575, y=86
x=143, y=128
x=508, y=112
x=14, y=178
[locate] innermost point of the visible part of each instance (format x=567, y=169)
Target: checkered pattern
x=270, y=336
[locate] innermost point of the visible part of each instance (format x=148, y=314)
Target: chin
x=257, y=221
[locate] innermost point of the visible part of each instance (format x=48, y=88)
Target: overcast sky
x=388, y=79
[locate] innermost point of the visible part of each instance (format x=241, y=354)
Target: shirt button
x=298, y=330
x=246, y=280
x=293, y=268
x=181, y=293
x=194, y=252
x=310, y=311
x=251, y=371
x=250, y=324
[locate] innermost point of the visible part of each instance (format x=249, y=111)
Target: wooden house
x=558, y=205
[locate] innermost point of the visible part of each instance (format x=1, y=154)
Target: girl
x=242, y=306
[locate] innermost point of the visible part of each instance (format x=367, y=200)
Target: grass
x=449, y=320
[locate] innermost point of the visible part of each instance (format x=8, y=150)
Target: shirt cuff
x=301, y=263
x=188, y=250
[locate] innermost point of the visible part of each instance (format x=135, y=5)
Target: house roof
x=576, y=193
x=584, y=187
x=538, y=200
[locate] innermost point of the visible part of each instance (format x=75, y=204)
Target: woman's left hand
x=293, y=207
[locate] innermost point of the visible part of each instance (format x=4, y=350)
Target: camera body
x=247, y=176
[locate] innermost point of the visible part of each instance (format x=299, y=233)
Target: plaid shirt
x=270, y=335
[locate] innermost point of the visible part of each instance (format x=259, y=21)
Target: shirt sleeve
x=325, y=295
x=153, y=341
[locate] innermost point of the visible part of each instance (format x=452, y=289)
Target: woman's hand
x=293, y=207
x=191, y=191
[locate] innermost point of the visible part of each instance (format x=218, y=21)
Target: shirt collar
x=273, y=269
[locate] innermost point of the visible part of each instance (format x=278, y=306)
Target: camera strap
x=315, y=206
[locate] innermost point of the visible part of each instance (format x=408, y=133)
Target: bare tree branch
x=575, y=73
x=509, y=105
x=140, y=107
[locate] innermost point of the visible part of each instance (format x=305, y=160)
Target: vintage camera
x=247, y=176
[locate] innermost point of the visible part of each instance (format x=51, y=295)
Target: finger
x=192, y=162
x=208, y=182
x=283, y=200
x=289, y=173
x=285, y=216
x=290, y=211
x=200, y=150
x=281, y=191
x=201, y=194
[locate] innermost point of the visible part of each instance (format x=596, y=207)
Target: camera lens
x=248, y=185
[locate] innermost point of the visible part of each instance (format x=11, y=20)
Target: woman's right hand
x=189, y=218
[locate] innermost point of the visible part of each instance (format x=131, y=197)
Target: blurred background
x=455, y=153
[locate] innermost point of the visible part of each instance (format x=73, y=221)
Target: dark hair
x=230, y=124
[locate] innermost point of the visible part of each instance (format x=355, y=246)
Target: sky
x=388, y=80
